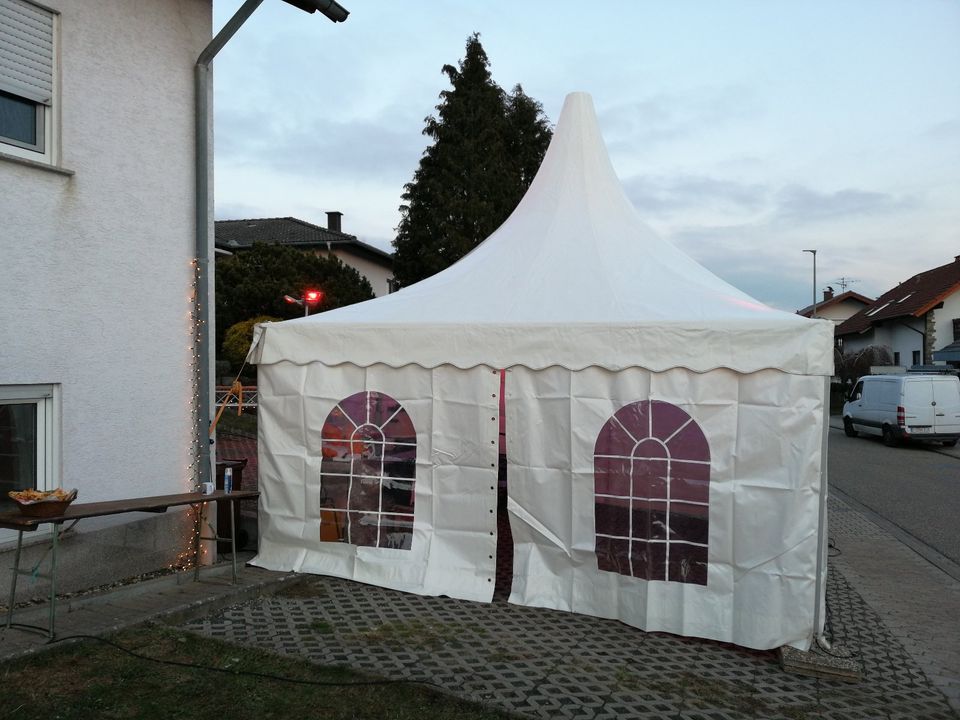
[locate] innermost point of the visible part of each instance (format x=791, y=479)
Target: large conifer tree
x=487, y=146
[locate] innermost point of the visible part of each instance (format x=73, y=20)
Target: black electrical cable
x=832, y=549
x=245, y=673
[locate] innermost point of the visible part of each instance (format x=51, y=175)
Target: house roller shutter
x=26, y=51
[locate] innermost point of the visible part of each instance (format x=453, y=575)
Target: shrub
x=238, y=339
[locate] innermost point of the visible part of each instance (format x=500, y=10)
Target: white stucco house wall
x=97, y=247
x=914, y=320
x=377, y=269
x=837, y=307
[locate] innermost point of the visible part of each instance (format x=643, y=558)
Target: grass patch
x=501, y=654
x=92, y=680
x=704, y=693
x=626, y=680
x=321, y=626
x=304, y=588
x=413, y=634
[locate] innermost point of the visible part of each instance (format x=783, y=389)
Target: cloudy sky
x=743, y=130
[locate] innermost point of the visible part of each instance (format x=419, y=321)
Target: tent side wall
x=381, y=475
x=673, y=501
x=714, y=535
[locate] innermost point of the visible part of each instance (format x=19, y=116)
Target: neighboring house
x=374, y=264
x=97, y=248
x=914, y=320
x=837, y=307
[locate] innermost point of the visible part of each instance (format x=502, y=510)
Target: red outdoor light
x=309, y=299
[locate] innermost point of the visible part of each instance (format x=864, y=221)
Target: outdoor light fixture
x=204, y=218
x=309, y=299
x=333, y=10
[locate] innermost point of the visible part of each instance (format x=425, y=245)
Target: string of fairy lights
x=187, y=557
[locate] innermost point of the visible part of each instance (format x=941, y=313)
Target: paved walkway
x=171, y=598
x=544, y=663
x=889, y=607
x=918, y=603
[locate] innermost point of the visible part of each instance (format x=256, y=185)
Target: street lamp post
x=821, y=521
x=204, y=218
x=813, y=312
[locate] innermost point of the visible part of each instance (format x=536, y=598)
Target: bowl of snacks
x=43, y=503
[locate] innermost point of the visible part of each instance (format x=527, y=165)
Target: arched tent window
x=368, y=472
x=652, y=485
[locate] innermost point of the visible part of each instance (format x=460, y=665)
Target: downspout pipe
x=923, y=345
x=203, y=160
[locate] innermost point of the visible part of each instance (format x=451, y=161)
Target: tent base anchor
x=822, y=661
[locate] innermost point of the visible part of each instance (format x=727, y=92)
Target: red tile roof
x=913, y=298
x=835, y=300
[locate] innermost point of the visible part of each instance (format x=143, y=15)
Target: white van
x=905, y=407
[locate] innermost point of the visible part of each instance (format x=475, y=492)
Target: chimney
x=333, y=220
x=828, y=293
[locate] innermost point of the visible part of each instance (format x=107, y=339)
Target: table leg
x=233, y=542
x=53, y=579
x=13, y=580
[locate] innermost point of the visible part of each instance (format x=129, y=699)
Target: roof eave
x=924, y=309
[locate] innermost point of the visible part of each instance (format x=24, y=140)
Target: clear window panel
x=368, y=473
x=652, y=483
x=18, y=450
x=18, y=119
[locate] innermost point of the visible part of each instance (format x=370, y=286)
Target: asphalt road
x=912, y=486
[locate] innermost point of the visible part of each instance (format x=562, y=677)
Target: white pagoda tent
x=666, y=433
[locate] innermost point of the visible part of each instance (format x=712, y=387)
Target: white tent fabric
x=665, y=432
x=453, y=529
x=572, y=278
x=760, y=584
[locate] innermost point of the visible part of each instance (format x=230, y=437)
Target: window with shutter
x=27, y=52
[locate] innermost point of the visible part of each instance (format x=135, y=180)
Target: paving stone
x=545, y=663
x=551, y=664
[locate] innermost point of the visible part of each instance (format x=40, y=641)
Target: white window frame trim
x=47, y=399
x=49, y=115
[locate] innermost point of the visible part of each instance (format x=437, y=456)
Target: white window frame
x=47, y=400
x=48, y=116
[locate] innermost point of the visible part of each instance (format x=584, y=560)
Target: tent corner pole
x=822, y=518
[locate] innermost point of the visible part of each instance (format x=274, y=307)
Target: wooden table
x=78, y=511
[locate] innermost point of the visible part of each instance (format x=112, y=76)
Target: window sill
x=34, y=164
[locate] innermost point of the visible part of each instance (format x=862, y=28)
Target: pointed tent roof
x=574, y=278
